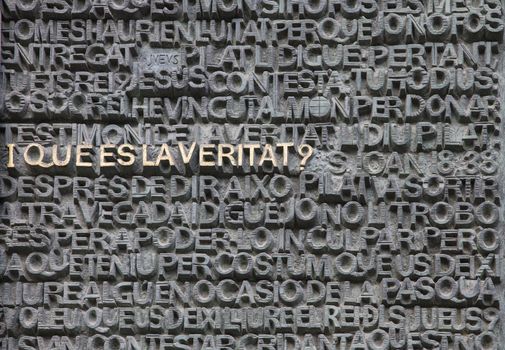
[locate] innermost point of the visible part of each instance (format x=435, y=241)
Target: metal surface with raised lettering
x=251, y=174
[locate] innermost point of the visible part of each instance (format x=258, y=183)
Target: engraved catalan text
x=251, y=174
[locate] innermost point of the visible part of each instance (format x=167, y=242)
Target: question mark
x=306, y=152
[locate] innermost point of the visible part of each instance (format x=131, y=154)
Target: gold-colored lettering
x=10, y=157
x=267, y=156
x=126, y=151
x=104, y=154
x=228, y=154
x=55, y=155
x=81, y=152
x=186, y=156
x=206, y=151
